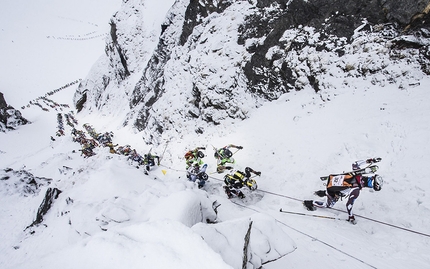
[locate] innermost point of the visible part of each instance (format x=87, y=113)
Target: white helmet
x=377, y=183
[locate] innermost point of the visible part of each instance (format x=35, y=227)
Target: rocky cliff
x=10, y=118
x=211, y=57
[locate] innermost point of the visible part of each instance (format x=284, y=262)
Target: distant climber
x=195, y=155
x=149, y=161
x=197, y=173
x=224, y=156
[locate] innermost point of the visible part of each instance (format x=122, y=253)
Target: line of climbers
x=102, y=139
x=234, y=181
x=77, y=38
x=60, y=126
x=105, y=140
x=70, y=120
x=47, y=101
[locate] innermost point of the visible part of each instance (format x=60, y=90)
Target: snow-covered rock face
x=10, y=118
x=22, y=182
x=135, y=31
x=198, y=83
x=294, y=45
x=208, y=58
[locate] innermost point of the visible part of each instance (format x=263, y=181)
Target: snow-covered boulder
x=252, y=241
x=188, y=207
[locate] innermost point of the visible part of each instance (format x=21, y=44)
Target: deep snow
x=120, y=217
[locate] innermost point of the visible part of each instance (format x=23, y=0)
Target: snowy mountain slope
x=111, y=215
x=292, y=151
x=102, y=194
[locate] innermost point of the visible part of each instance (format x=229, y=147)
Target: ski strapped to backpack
x=367, y=170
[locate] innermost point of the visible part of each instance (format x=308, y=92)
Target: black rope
x=384, y=223
x=312, y=237
x=367, y=218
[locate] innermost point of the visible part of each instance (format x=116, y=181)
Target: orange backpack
x=189, y=155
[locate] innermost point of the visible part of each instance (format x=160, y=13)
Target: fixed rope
x=335, y=209
x=310, y=236
x=367, y=218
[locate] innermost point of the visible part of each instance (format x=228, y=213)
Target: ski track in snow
x=107, y=205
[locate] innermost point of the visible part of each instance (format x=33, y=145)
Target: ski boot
x=309, y=205
x=320, y=193
x=352, y=220
x=228, y=192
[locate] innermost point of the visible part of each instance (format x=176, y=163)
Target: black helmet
x=377, y=183
x=227, y=153
x=200, y=154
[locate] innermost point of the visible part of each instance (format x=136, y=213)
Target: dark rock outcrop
x=333, y=19
x=50, y=195
x=10, y=118
x=115, y=48
x=150, y=88
x=196, y=12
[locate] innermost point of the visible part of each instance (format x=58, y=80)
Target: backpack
x=189, y=155
x=341, y=181
x=226, y=153
x=231, y=179
x=238, y=175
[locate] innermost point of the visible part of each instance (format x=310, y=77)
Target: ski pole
x=216, y=152
x=235, y=151
x=309, y=215
x=162, y=155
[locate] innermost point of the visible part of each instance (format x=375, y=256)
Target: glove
x=373, y=160
x=320, y=193
x=308, y=204
x=258, y=173
x=239, y=147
